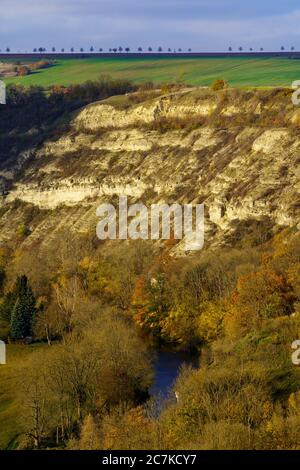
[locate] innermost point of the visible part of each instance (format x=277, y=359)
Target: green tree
x=18, y=322
x=6, y=307
x=24, y=310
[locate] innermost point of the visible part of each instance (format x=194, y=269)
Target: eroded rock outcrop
x=186, y=147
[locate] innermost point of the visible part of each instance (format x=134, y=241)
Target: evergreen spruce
x=18, y=327
x=24, y=310
x=6, y=307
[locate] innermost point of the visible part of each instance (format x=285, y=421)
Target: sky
x=202, y=25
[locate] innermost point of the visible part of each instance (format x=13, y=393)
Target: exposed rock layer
x=242, y=170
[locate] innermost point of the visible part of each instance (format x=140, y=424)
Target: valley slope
x=237, y=152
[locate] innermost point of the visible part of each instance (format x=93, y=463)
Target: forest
x=92, y=318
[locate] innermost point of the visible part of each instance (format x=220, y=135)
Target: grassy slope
x=195, y=71
x=9, y=405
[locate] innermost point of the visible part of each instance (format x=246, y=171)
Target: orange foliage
x=258, y=296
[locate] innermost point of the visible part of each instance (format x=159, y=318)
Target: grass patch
x=10, y=407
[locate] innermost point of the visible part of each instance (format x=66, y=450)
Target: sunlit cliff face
x=236, y=152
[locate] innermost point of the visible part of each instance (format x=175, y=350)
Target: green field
x=239, y=71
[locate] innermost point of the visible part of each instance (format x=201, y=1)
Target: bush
x=23, y=231
x=219, y=84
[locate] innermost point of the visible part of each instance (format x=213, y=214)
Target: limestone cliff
x=238, y=152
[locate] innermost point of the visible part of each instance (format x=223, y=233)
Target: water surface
x=167, y=368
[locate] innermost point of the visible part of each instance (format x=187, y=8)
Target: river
x=167, y=367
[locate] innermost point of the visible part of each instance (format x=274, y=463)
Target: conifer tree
x=18, y=322
x=6, y=307
x=24, y=310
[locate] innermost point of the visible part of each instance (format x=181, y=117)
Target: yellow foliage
x=210, y=323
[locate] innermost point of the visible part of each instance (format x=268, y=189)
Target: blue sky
x=203, y=25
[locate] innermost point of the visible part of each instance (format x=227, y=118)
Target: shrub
x=23, y=231
x=219, y=84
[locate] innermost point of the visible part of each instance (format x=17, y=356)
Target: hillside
x=235, y=151
x=98, y=312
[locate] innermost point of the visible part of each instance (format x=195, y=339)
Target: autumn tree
x=37, y=417
x=89, y=435
x=261, y=295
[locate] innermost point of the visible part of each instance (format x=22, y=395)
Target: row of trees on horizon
x=120, y=49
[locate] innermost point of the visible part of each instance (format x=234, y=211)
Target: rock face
x=194, y=146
